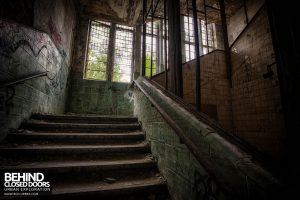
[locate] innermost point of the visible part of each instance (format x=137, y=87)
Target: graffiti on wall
x=37, y=48
x=56, y=36
x=54, y=32
x=8, y=47
x=13, y=37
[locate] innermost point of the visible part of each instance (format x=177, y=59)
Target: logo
x=25, y=184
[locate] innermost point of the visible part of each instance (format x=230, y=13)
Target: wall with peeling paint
x=24, y=51
x=123, y=12
x=57, y=18
x=99, y=97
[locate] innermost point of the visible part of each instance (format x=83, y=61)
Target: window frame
x=202, y=37
x=113, y=27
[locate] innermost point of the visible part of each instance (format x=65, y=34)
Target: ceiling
x=121, y=11
x=129, y=11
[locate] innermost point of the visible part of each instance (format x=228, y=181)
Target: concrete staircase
x=98, y=157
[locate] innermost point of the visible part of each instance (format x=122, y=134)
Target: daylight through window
x=207, y=38
x=96, y=67
x=110, y=52
x=123, y=54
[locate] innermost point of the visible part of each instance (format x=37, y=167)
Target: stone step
x=28, y=137
x=36, y=125
x=94, y=157
x=72, y=152
x=66, y=165
x=85, y=119
x=142, y=189
x=79, y=171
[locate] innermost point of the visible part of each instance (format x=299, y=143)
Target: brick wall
x=256, y=103
x=221, y=165
x=215, y=88
x=185, y=176
x=252, y=108
x=238, y=21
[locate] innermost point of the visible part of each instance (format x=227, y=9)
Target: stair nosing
x=137, y=133
x=98, y=146
x=41, y=122
x=152, y=183
x=77, y=128
x=105, y=165
x=66, y=116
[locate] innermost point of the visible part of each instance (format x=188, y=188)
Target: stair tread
x=136, y=133
x=101, y=186
x=71, y=146
x=90, y=163
x=31, y=121
x=95, y=190
x=93, y=151
x=53, y=138
x=85, y=116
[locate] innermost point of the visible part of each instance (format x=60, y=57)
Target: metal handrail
x=23, y=79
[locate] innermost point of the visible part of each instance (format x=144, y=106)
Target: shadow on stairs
x=99, y=157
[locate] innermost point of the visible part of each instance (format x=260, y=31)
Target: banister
x=227, y=157
x=22, y=79
x=215, y=125
x=9, y=86
x=181, y=134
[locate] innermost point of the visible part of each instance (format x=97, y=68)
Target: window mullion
x=111, y=52
x=87, y=49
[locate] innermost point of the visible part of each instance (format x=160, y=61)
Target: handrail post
x=151, y=61
x=165, y=44
x=175, y=56
x=144, y=37
x=197, y=56
x=226, y=43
